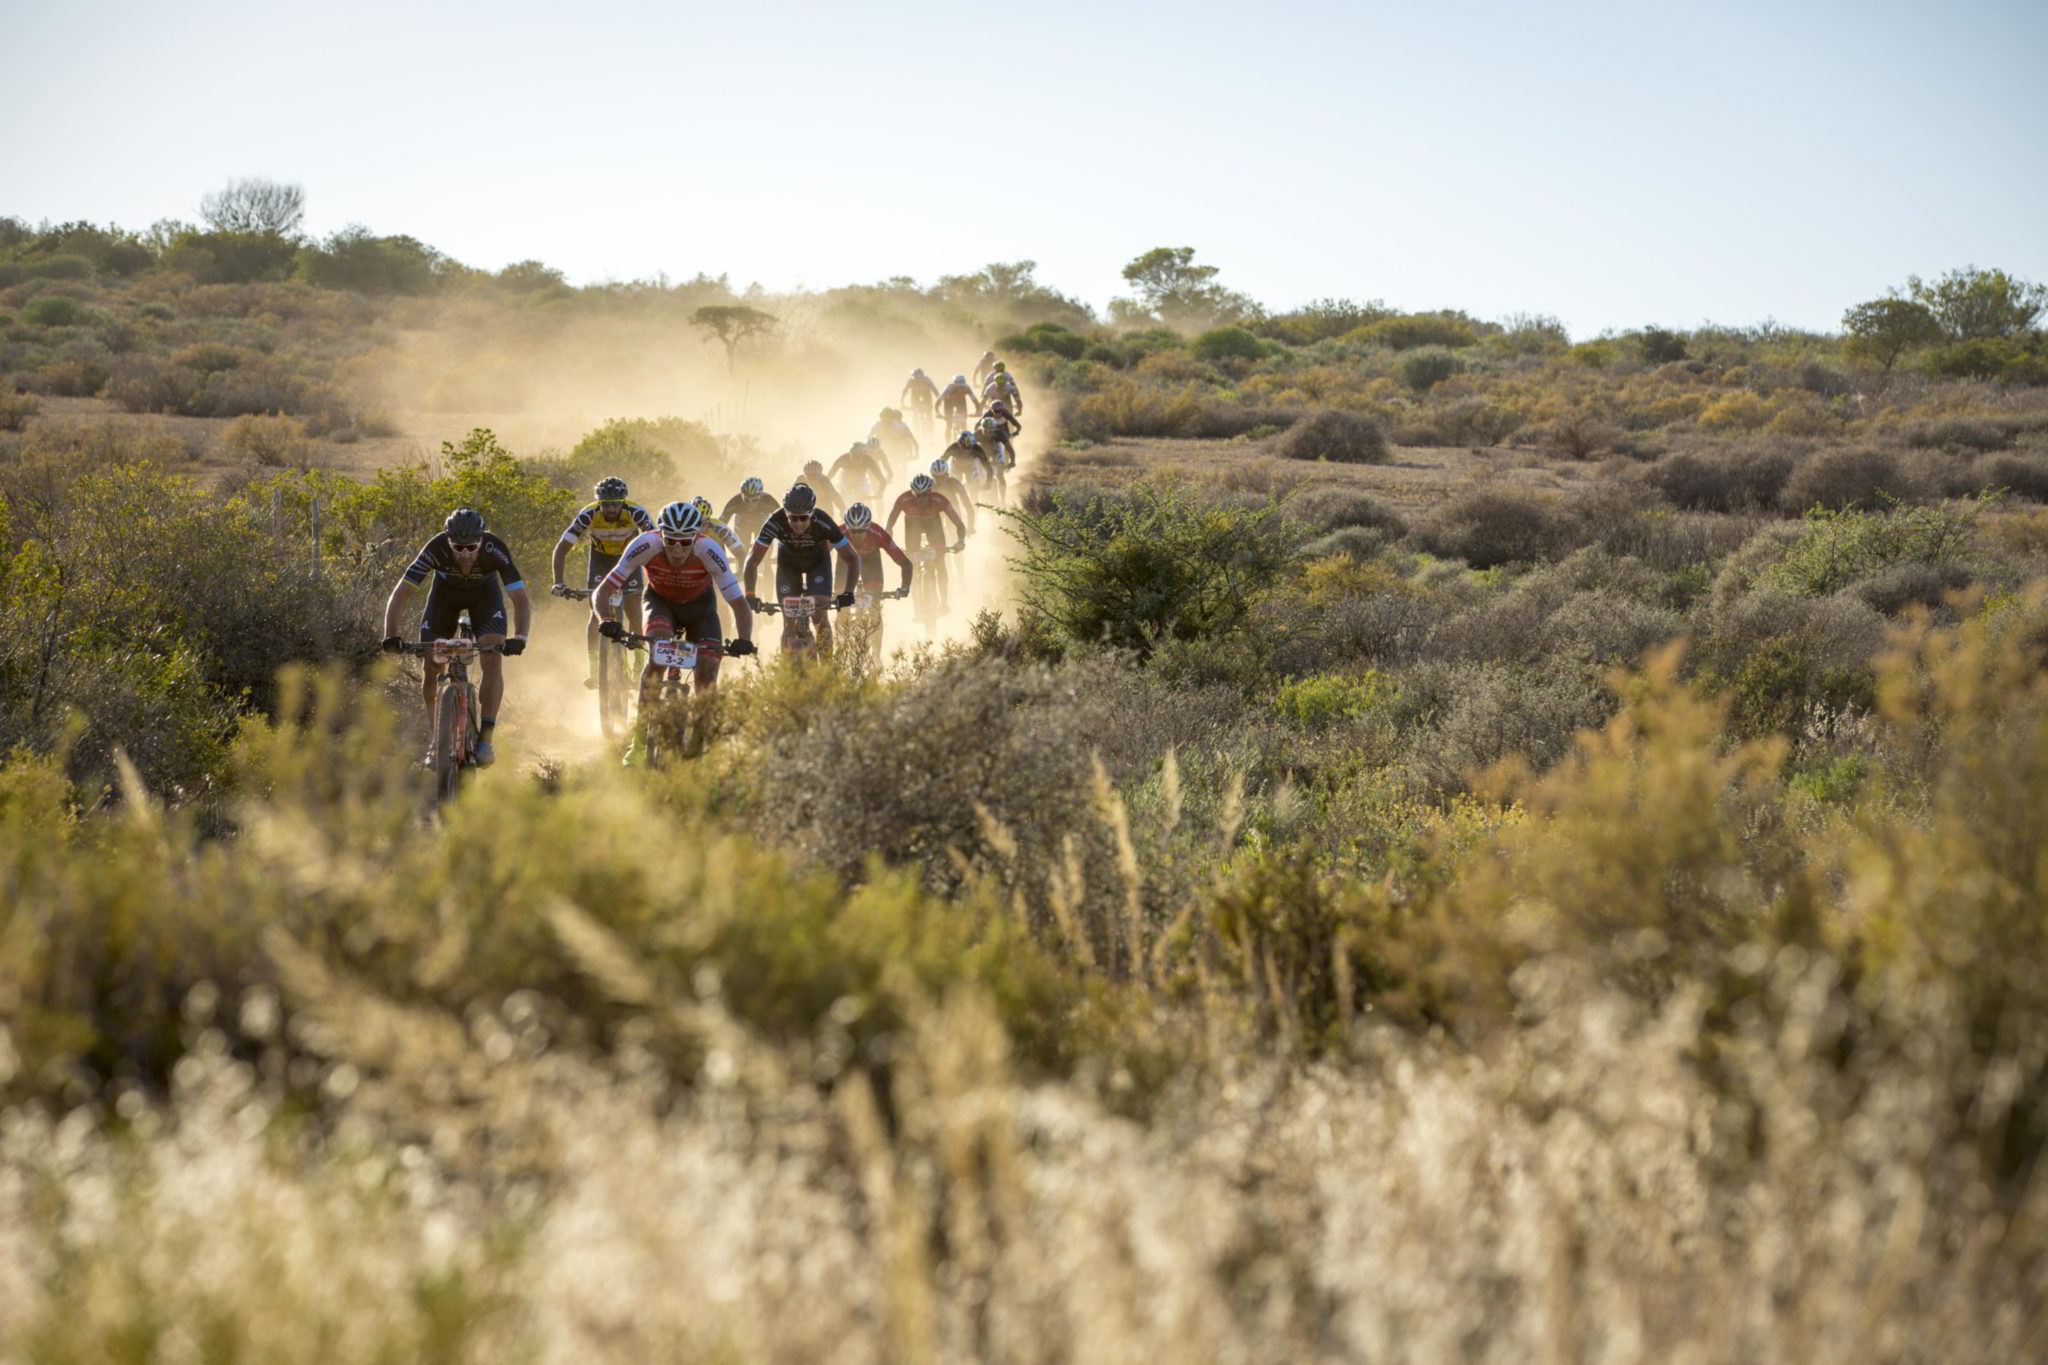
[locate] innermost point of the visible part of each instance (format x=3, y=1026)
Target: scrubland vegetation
x=1591, y=918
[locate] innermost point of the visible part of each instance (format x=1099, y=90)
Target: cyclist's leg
x=788, y=583
x=438, y=621
x=662, y=616
x=818, y=583
x=698, y=619
x=487, y=614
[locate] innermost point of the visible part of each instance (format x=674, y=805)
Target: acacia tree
x=255, y=205
x=1885, y=329
x=1172, y=288
x=733, y=323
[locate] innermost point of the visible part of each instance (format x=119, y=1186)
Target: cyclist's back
x=748, y=509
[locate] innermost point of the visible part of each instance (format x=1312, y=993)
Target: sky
x=1611, y=165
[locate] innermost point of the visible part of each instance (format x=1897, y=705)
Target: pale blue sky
x=1612, y=164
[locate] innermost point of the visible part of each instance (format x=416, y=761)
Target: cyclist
x=748, y=509
x=611, y=523
x=898, y=440
x=1001, y=384
x=819, y=482
x=924, y=512
x=919, y=394
x=984, y=367
x=712, y=526
x=803, y=567
x=969, y=459
x=682, y=564
x=953, y=490
x=957, y=398
x=1010, y=427
x=473, y=571
x=870, y=542
x=864, y=466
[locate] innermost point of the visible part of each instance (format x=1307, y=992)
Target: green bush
x=1158, y=564
x=1418, y=329
x=1838, y=548
x=16, y=409
x=1425, y=367
x=1228, y=343
x=52, y=310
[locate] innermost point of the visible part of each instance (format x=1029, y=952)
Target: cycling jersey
x=959, y=397
x=919, y=391
x=984, y=367
x=745, y=514
x=858, y=467
x=726, y=535
x=896, y=438
x=806, y=547
x=871, y=544
x=609, y=535
x=493, y=560
x=960, y=454
x=1003, y=387
x=1006, y=419
x=917, y=507
x=705, y=566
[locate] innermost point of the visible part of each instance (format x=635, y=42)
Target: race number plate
x=674, y=653
x=798, y=606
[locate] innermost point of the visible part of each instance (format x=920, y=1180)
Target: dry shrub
x=2024, y=476
x=1338, y=436
x=1490, y=525
x=140, y=384
x=1741, y=479
x=1863, y=477
x=16, y=409
x=1327, y=508
x=1464, y=718
x=267, y=439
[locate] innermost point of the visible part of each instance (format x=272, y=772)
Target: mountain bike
x=927, y=562
x=456, y=724
x=672, y=720
x=796, y=610
x=614, y=680
x=864, y=630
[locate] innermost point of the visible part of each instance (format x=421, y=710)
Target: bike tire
x=611, y=691
x=452, y=742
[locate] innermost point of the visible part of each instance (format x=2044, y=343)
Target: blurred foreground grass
x=1651, y=1056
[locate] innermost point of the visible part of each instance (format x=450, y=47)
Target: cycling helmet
x=465, y=523
x=942, y=469
x=702, y=504
x=892, y=414
x=921, y=484
x=965, y=438
x=859, y=517
x=970, y=439
x=611, y=490
x=752, y=488
x=813, y=468
x=917, y=374
x=871, y=444
x=959, y=379
x=681, y=519
x=999, y=406
x=800, y=499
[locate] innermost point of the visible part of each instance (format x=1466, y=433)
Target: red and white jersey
x=705, y=566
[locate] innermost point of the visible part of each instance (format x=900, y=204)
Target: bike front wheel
x=453, y=742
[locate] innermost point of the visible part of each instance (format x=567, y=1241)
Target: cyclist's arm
x=895, y=552
x=946, y=506
x=522, y=609
x=394, y=607
x=629, y=563
x=753, y=569
x=561, y=557
x=852, y=562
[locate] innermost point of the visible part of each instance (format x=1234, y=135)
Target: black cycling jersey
x=493, y=560
x=745, y=514
x=806, y=547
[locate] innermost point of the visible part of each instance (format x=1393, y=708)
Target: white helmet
x=681, y=519
x=921, y=484
x=859, y=517
x=959, y=379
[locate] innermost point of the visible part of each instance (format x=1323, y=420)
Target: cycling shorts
x=446, y=601
x=601, y=564
x=802, y=580
x=696, y=619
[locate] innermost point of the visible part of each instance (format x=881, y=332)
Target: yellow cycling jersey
x=609, y=535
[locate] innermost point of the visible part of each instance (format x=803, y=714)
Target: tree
x=255, y=205
x=732, y=324
x=1885, y=329
x=1972, y=304
x=1180, y=293
x=355, y=259
x=1010, y=287
x=531, y=277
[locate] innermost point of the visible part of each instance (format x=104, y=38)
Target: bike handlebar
x=453, y=646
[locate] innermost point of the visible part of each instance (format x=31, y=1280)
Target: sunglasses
x=604, y=506
x=800, y=516
x=680, y=540
x=465, y=546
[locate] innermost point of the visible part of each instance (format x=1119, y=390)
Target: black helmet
x=611, y=490
x=464, y=523
x=800, y=499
